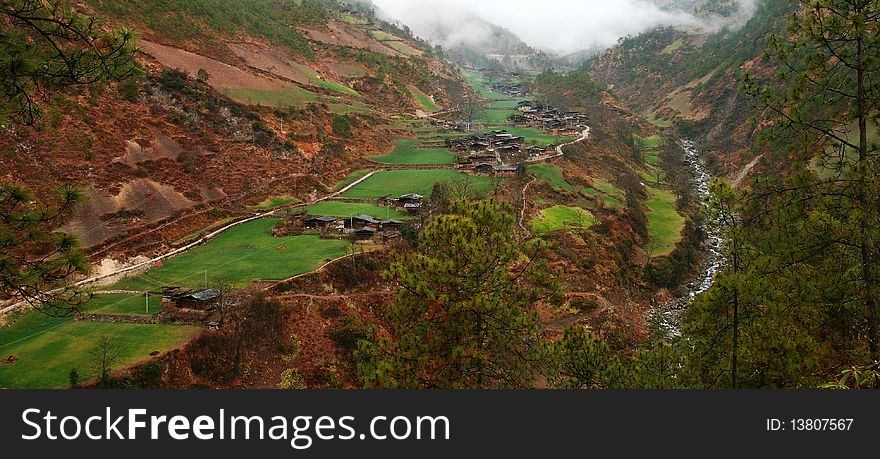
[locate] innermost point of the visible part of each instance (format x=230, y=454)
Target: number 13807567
x=810, y=424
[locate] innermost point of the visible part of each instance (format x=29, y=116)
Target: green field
x=417, y=156
x=123, y=304
x=242, y=255
x=652, y=142
x=651, y=157
x=559, y=218
x=496, y=117
x=534, y=136
x=352, y=20
x=275, y=201
x=398, y=183
x=655, y=175
x=321, y=82
x=482, y=87
x=353, y=177
x=665, y=224
x=834, y=162
x=405, y=153
x=424, y=101
x=48, y=348
x=383, y=36
x=349, y=209
x=659, y=122
x=610, y=193
x=292, y=96
x=552, y=175
x=403, y=48
x=504, y=104
x=673, y=47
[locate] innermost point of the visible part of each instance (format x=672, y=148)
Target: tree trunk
x=735, y=351
x=865, y=207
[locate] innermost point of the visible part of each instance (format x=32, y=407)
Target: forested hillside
x=299, y=194
x=693, y=80
x=232, y=106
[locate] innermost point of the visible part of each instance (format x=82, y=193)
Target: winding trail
x=188, y=247
x=522, y=211
x=585, y=135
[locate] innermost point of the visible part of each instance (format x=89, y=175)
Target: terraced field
x=47, y=349
x=552, y=175
x=401, y=182
x=424, y=101
x=560, y=218
x=349, y=209
x=665, y=224
x=242, y=255
x=406, y=153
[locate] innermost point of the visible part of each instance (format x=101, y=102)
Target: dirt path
x=522, y=212
x=188, y=247
x=745, y=172
x=585, y=135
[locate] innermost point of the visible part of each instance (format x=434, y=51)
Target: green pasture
x=401, y=182
x=559, y=218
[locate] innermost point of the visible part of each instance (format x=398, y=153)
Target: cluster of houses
x=365, y=227
x=511, y=89
x=484, y=153
x=549, y=119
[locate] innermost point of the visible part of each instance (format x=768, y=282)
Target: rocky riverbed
x=713, y=261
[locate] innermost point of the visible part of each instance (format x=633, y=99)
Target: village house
x=365, y=233
x=411, y=198
x=361, y=221
x=525, y=105
x=484, y=168
x=201, y=300
x=391, y=225
x=506, y=171
x=320, y=222
x=390, y=235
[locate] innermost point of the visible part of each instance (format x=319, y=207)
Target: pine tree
x=465, y=316
x=826, y=97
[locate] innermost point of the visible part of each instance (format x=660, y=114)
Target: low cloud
x=562, y=26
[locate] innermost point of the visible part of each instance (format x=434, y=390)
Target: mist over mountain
x=558, y=26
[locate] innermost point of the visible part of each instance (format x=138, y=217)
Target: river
x=713, y=261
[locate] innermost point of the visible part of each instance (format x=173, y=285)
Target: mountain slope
x=235, y=105
x=692, y=80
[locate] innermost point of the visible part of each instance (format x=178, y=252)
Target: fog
x=562, y=26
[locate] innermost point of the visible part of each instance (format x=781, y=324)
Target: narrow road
x=15, y=306
x=522, y=211
x=202, y=240
x=559, y=153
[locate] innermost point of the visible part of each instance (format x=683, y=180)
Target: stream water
x=713, y=261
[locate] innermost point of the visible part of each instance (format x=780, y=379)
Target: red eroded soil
x=221, y=75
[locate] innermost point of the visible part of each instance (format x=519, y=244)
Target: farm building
x=320, y=222
x=361, y=221
x=410, y=200
x=506, y=170
x=202, y=300
x=365, y=233
x=391, y=225
x=484, y=168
